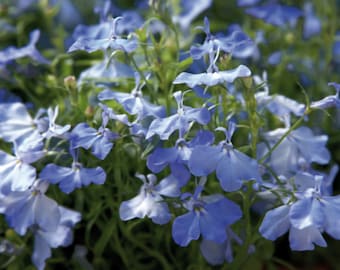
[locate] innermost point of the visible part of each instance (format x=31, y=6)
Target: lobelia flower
x=276, y=14
x=208, y=216
x=232, y=166
x=329, y=101
x=235, y=41
x=279, y=105
x=13, y=53
x=189, y=11
x=108, y=112
x=150, y=202
x=54, y=130
x=242, y=45
x=242, y=3
x=105, y=71
x=16, y=124
x=275, y=58
x=77, y=176
x=179, y=154
x=62, y=236
x=16, y=173
x=180, y=121
x=336, y=48
x=134, y=103
x=218, y=253
x=212, y=47
x=24, y=209
x=300, y=143
x=312, y=24
x=113, y=41
x=212, y=78
x=99, y=141
x=306, y=219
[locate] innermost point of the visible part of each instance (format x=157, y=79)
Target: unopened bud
x=70, y=83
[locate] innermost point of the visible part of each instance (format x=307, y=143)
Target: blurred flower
x=13, y=53
x=112, y=41
x=312, y=24
x=276, y=14
x=44, y=240
x=329, y=101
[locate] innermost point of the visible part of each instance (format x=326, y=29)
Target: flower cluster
x=214, y=145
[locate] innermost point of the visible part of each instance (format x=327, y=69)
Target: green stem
x=242, y=254
x=153, y=253
x=254, y=122
x=283, y=263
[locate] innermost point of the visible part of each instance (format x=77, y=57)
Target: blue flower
x=299, y=144
x=62, y=236
x=114, y=42
x=134, y=103
x=275, y=58
x=242, y=3
x=150, y=202
x=105, y=71
x=312, y=24
x=218, y=253
x=212, y=78
x=16, y=173
x=208, y=216
x=189, y=11
x=100, y=141
x=278, y=105
x=54, y=130
x=24, y=209
x=74, y=177
x=179, y=154
x=306, y=218
x=276, y=14
x=232, y=167
x=181, y=121
x=16, y=124
x=235, y=42
x=12, y=53
x=329, y=101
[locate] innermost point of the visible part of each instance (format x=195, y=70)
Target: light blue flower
x=329, y=101
x=24, y=209
x=150, y=202
x=306, y=219
x=134, y=103
x=276, y=14
x=113, y=41
x=16, y=173
x=12, y=53
x=232, y=166
x=299, y=144
x=180, y=121
x=71, y=178
x=62, y=236
x=189, y=11
x=208, y=216
x=100, y=140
